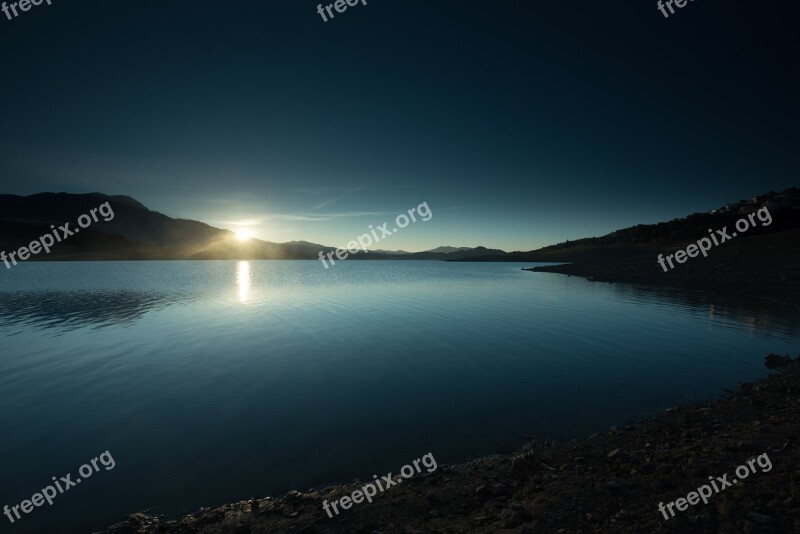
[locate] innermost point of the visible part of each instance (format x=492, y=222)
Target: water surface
x=217, y=381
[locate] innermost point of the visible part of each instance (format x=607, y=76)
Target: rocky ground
x=609, y=482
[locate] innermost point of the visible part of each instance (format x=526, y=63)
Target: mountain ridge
x=136, y=232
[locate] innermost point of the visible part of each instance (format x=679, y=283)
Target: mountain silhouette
x=138, y=233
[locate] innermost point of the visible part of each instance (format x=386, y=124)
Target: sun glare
x=243, y=280
x=243, y=235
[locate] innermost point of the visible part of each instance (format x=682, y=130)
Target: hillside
x=138, y=233
x=763, y=262
x=645, y=239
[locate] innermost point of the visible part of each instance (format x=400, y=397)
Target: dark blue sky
x=519, y=123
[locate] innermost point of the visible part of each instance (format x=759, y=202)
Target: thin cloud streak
x=334, y=199
x=304, y=217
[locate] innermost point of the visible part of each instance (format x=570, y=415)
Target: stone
x=761, y=519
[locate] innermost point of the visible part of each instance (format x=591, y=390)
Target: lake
x=212, y=382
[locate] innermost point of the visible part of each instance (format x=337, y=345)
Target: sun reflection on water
x=243, y=280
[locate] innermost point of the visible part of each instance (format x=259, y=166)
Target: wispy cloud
x=303, y=217
x=457, y=207
x=334, y=199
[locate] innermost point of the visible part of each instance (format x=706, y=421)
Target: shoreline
x=756, y=267
x=607, y=482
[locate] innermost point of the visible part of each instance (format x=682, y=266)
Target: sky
x=519, y=123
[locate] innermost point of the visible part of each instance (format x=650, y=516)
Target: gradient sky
x=520, y=123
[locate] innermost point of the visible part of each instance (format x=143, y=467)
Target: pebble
x=500, y=489
x=761, y=519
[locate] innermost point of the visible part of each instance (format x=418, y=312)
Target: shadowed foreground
x=610, y=482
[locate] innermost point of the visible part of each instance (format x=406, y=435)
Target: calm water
x=211, y=382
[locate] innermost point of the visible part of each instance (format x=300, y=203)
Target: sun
x=243, y=235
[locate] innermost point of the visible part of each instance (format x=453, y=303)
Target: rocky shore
x=607, y=482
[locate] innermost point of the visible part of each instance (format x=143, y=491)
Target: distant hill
x=448, y=250
x=138, y=233
x=642, y=238
x=463, y=254
x=786, y=205
x=762, y=263
x=381, y=251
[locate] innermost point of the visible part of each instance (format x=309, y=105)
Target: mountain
x=786, y=205
x=460, y=255
x=381, y=251
x=134, y=232
x=761, y=262
x=448, y=250
x=641, y=239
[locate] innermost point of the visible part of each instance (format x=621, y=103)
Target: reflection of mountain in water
x=755, y=313
x=67, y=310
x=73, y=309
